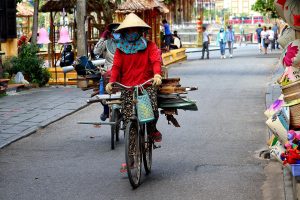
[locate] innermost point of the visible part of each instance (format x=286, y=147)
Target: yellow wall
x=10, y=47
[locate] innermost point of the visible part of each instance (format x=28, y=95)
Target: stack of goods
x=284, y=114
x=88, y=74
x=171, y=97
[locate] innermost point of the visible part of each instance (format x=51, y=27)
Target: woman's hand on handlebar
x=109, y=88
x=156, y=80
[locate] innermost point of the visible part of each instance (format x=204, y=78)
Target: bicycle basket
x=85, y=66
x=144, y=108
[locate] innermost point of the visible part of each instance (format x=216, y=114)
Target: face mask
x=116, y=36
x=130, y=37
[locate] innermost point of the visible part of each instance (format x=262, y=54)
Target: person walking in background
x=265, y=39
x=205, y=43
x=242, y=34
x=221, y=38
x=258, y=33
x=271, y=38
x=168, y=34
x=276, y=33
x=230, y=39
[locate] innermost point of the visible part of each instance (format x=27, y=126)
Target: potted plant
x=30, y=65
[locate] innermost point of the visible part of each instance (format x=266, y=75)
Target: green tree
x=265, y=7
x=169, y=1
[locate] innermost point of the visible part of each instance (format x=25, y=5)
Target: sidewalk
x=25, y=112
x=272, y=94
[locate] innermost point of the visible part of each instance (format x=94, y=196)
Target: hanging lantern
x=199, y=25
x=64, y=36
x=292, y=13
x=43, y=37
x=279, y=6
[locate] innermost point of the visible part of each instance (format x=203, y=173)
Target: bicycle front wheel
x=133, y=154
x=147, y=150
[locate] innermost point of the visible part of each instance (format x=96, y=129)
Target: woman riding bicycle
x=136, y=60
x=106, y=47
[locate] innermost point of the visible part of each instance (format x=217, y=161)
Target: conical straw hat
x=132, y=20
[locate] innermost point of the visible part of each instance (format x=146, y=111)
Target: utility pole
x=81, y=34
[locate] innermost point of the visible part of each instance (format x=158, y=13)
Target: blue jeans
x=222, y=48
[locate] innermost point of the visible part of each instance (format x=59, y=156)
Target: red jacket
x=134, y=69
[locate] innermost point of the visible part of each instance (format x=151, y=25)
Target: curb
x=42, y=125
x=213, y=49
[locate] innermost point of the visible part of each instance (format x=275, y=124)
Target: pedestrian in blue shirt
x=168, y=34
x=230, y=39
x=221, y=38
x=258, y=33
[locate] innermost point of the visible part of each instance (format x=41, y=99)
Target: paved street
x=214, y=155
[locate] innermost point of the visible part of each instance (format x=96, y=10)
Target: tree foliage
x=29, y=64
x=265, y=7
x=169, y=1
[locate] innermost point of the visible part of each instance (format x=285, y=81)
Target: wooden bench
x=15, y=87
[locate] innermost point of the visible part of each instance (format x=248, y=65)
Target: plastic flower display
x=292, y=13
x=279, y=6
x=290, y=54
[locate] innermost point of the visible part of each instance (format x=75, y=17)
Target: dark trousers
x=205, y=48
x=127, y=102
x=273, y=42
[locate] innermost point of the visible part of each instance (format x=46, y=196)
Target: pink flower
x=289, y=56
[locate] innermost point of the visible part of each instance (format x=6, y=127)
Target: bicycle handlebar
x=130, y=87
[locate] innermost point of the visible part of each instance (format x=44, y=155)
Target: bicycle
x=138, y=144
x=115, y=115
x=116, y=119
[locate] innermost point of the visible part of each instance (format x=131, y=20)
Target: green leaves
x=265, y=7
x=30, y=65
x=168, y=1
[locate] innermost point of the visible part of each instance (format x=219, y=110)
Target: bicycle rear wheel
x=133, y=154
x=147, y=151
x=115, y=115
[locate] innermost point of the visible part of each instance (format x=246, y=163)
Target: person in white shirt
x=176, y=42
x=205, y=43
x=271, y=38
x=265, y=39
